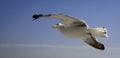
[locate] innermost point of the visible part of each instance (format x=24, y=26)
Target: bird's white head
x=58, y=25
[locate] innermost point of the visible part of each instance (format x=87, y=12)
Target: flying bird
x=76, y=28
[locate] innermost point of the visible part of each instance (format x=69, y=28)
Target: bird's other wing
x=66, y=19
x=94, y=43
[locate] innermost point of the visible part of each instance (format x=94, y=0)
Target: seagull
x=76, y=28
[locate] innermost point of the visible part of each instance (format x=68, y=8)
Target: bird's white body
x=84, y=33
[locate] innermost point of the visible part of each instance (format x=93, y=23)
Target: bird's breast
x=74, y=32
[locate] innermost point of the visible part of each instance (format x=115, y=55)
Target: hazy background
x=20, y=37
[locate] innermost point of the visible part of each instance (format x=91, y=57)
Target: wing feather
x=94, y=43
x=66, y=19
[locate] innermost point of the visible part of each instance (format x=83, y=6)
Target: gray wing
x=94, y=43
x=66, y=19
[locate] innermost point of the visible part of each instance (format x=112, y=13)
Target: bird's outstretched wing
x=66, y=19
x=94, y=43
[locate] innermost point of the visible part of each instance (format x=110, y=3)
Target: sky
x=20, y=37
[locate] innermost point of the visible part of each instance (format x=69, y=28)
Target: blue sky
x=20, y=37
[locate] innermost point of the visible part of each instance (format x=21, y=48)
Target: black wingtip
x=100, y=47
x=36, y=16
